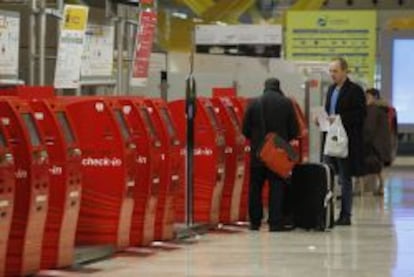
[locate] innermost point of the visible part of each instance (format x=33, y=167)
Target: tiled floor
x=380, y=243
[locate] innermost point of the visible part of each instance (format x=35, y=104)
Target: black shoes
x=280, y=228
x=254, y=227
x=343, y=221
x=272, y=228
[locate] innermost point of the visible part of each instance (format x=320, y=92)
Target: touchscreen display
x=212, y=116
x=233, y=117
x=147, y=119
x=64, y=125
x=2, y=139
x=123, y=125
x=32, y=128
x=172, y=132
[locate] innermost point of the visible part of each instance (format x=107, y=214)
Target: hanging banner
x=9, y=44
x=98, y=52
x=322, y=35
x=70, y=50
x=143, y=48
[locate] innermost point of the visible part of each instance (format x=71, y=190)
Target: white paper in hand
x=322, y=118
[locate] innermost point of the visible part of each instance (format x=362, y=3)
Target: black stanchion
x=191, y=97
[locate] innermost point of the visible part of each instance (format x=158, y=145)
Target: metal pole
x=59, y=8
x=120, y=47
x=59, y=5
x=32, y=42
x=42, y=43
x=130, y=50
x=190, y=111
x=108, y=9
x=191, y=98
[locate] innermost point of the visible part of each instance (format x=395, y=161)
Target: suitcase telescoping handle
x=328, y=197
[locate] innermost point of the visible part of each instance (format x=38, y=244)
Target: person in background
x=377, y=138
x=392, y=124
x=278, y=115
x=347, y=100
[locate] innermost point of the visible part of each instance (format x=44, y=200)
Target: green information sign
x=322, y=35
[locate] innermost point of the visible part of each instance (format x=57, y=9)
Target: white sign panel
x=98, y=52
x=238, y=34
x=9, y=43
x=71, y=41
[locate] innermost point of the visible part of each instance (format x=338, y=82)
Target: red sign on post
x=143, y=47
x=149, y=2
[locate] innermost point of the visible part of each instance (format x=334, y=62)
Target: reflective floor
x=379, y=243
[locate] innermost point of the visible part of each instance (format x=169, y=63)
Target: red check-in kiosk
x=64, y=173
x=7, y=188
x=234, y=159
x=172, y=174
x=66, y=179
x=149, y=150
x=209, y=168
x=131, y=161
x=32, y=187
x=108, y=172
x=240, y=105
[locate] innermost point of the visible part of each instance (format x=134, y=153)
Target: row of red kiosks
x=131, y=170
x=209, y=162
x=219, y=157
x=47, y=194
x=82, y=171
x=221, y=160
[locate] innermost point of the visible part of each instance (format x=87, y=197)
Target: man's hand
x=316, y=120
x=332, y=118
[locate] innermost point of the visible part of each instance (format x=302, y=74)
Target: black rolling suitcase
x=312, y=196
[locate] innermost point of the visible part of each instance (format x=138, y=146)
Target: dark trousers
x=258, y=176
x=342, y=167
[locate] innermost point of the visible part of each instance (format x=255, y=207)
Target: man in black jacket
x=347, y=100
x=272, y=112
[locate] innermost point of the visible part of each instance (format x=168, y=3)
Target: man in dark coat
x=347, y=100
x=272, y=112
